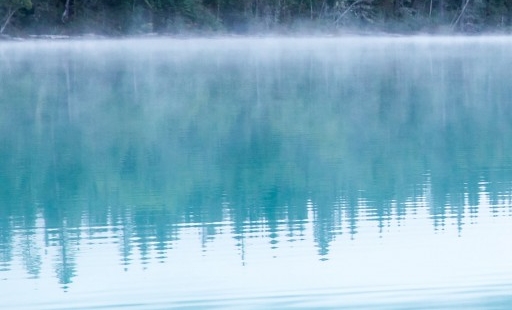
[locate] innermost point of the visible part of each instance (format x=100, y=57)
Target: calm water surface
x=256, y=173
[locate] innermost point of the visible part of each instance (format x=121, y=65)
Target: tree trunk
x=461, y=14
x=65, y=14
x=10, y=13
x=159, y=20
x=396, y=8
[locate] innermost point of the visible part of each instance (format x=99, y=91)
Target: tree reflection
x=261, y=153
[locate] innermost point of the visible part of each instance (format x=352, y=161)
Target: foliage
x=118, y=17
x=16, y=4
x=9, y=8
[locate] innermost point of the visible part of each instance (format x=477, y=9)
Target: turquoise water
x=256, y=173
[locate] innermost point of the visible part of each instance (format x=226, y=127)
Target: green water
x=256, y=173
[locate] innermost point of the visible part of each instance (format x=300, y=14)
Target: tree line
x=123, y=17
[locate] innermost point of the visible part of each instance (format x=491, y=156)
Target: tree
x=11, y=7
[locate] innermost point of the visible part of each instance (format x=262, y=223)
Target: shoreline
x=344, y=34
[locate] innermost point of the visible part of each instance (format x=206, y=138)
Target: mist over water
x=256, y=172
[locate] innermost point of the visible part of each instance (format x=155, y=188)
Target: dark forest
x=175, y=17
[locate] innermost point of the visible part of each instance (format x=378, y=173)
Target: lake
x=256, y=173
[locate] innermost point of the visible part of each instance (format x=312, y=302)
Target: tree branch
x=460, y=15
x=346, y=11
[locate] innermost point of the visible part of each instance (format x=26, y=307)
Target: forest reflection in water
x=263, y=148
